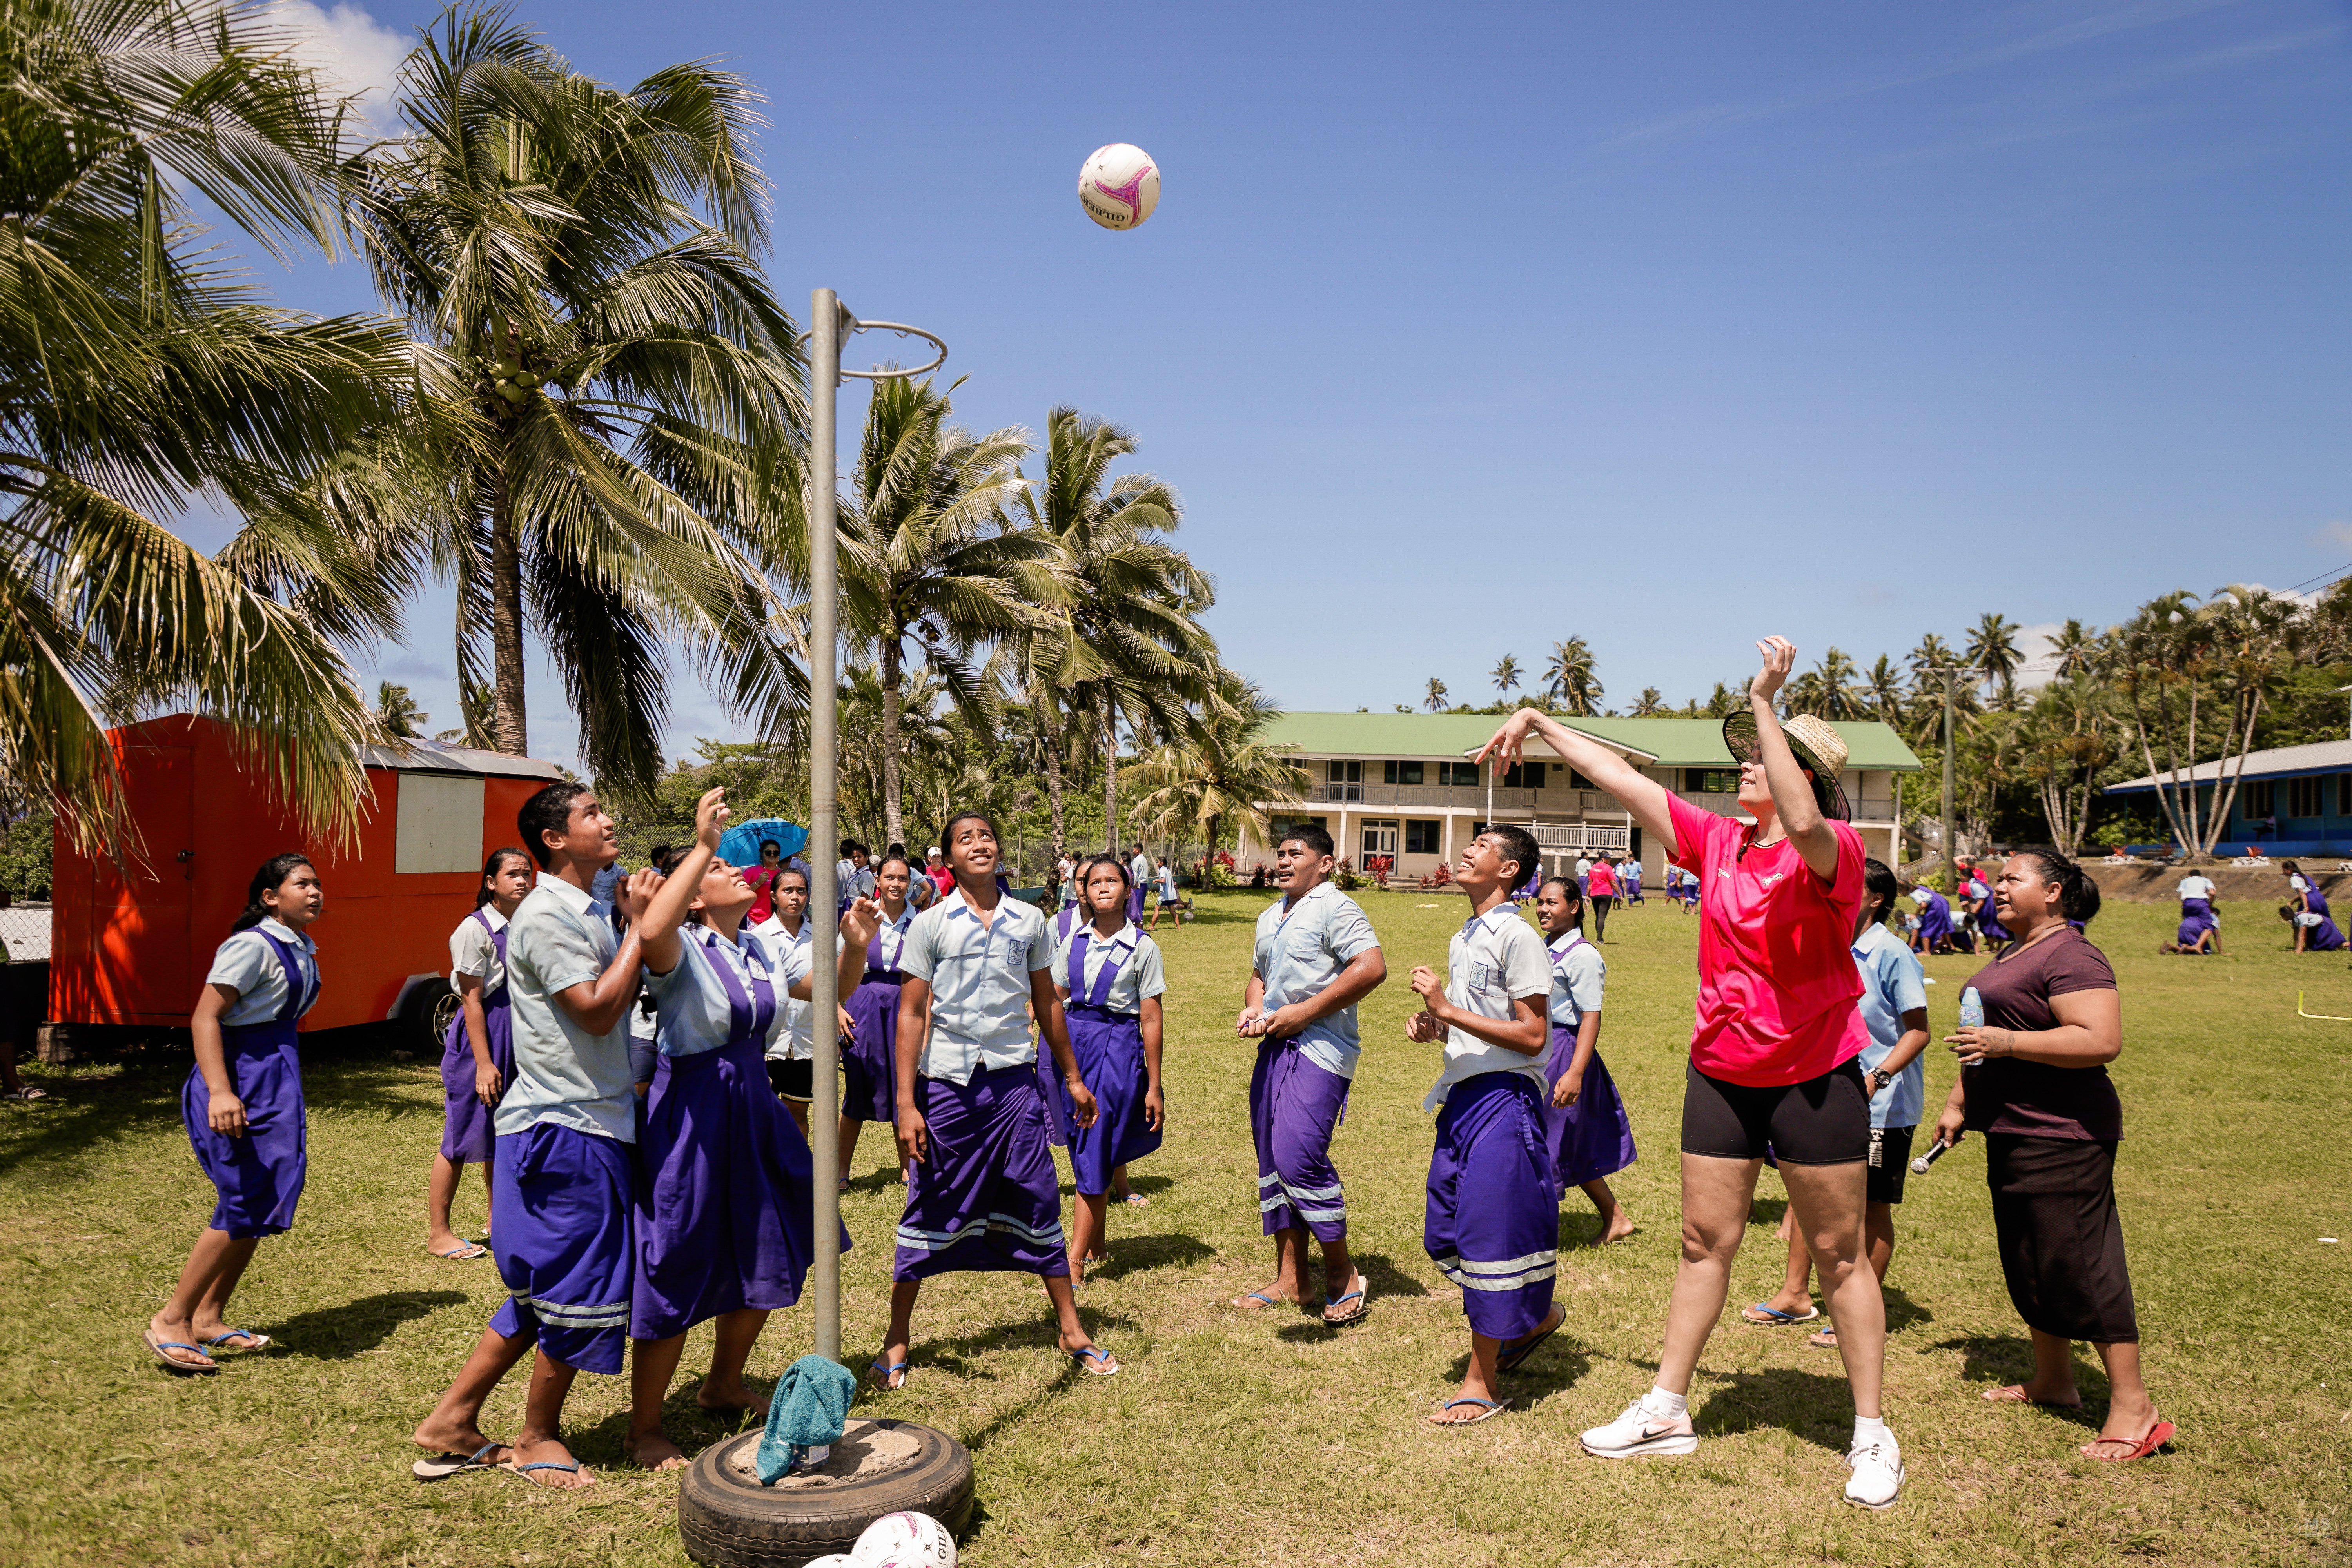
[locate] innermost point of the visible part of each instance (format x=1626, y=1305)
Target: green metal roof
x=1676, y=742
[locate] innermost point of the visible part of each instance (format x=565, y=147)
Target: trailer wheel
x=727, y=1519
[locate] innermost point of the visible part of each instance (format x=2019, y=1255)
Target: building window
x=2259, y=800
x=1462, y=774
x=1524, y=775
x=2303, y=797
x=1711, y=781
x=1398, y=773
x=1423, y=837
x=1578, y=780
x=1346, y=773
x=2343, y=794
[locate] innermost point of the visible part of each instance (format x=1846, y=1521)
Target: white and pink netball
x=904, y=1540
x=1119, y=185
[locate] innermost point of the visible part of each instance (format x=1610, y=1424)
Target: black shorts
x=794, y=1081
x=1824, y=1120
x=1890, y=1162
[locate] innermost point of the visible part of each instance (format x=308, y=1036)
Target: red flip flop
x=2156, y=1438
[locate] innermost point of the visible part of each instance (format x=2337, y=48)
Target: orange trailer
x=131, y=945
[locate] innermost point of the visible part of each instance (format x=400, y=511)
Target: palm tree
x=2078, y=650
x=1827, y=691
x=479, y=706
x=397, y=711
x=925, y=553
x=1435, y=698
x=1219, y=767
x=1506, y=674
x=1126, y=640
x=1568, y=676
x=626, y=389
x=1882, y=692
x=1649, y=704
x=1992, y=654
x=137, y=369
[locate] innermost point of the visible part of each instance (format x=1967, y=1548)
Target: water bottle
x=1971, y=1015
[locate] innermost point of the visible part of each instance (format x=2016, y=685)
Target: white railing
x=1459, y=797
x=1581, y=836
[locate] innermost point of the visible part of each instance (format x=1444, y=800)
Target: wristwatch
x=1879, y=1080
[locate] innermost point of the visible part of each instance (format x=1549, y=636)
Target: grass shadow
x=1817, y=1406
x=338, y=1333
x=1042, y=1330
x=1582, y=1230
x=82, y=1114
x=1558, y=1365
x=1766, y=1211
x=1129, y=1254
x=1999, y=1360
x=1386, y=1279
x=1902, y=1312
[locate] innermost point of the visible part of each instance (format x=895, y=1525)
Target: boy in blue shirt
x=1894, y=1003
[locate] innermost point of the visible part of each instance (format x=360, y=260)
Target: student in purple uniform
x=243, y=1106
x=723, y=1201
x=1493, y=1220
x=981, y=1194
x=478, y=1053
x=1111, y=979
x=870, y=1000
x=1315, y=958
x=1584, y=1122
x=563, y=1171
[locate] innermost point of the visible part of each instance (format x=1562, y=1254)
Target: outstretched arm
x=1793, y=798
x=666, y=898
x=1645, y=797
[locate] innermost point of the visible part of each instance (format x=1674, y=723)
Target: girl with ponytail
x=477, y=1051
x=243, y=1106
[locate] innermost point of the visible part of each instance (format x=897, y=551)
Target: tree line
x=581, y=403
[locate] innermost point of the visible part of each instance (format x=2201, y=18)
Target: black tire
x=727, y=1519
x=440, y=1015
x=424, y=1013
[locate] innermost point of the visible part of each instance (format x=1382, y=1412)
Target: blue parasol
x=740, y=844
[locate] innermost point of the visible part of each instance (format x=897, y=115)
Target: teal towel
x=810, y=1409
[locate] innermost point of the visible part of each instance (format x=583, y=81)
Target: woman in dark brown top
x=2035, y=1084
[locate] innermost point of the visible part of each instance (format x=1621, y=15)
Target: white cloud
x=2333, y=536
x=350, y=51
x=2039, y=666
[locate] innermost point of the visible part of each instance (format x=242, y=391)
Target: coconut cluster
x=511, y=382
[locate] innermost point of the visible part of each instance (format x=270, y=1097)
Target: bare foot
x=1091, y=1356
x=894, y=1364
x=732, y=1401
x=180, y=1338
x=1618, y=1226
x=2067, y=1398
x=558, y=1472
x=1267, y=1296
x=1463, y=1409
x=656, y=1453
x=456, y=1438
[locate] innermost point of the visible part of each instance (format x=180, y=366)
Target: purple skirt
x=984, y=1196
x=1492, y=1223
x=869, y=1088
x=1109, y=1048
x=2196, y=919
x=723, y=1203
x=1592, y=1137
x=465, y=1129
x=259, y=1177
x=1989, y=924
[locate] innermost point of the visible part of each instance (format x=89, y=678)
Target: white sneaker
x=1642, y=1431
x=1878, y=1474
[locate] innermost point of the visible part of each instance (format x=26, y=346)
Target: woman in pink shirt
x=1601, y=894
x=1772, y=1053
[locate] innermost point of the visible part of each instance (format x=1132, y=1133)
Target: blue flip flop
x=157, y=1347
x=1510, y=1359
x=260, y=1341
x=441, y=1466
x=1359, y=1295
x=1493, y=1407
x=545, y=1465
x=1096, y=1360
x=1772, y=1316
x=896, y=1369
x=1259, y=1296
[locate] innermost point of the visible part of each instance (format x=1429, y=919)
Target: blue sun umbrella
x=740, y=844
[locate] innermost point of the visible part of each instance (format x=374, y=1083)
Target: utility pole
x=1951, y=844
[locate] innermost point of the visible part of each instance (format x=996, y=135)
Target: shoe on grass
x=1878, y=1474
x=1642, y=1431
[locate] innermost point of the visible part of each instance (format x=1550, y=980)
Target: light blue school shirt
x=793, y=955
x=1892, y=984
x=1141, y=974
x=1300, y=951
x=1579, y=978
x=250, y=965
x=1494, y=959
x=564, y=1075
x=890, y=938
x=979, y=976
x=692, y=1011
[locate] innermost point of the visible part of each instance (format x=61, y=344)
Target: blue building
x=2294, y=800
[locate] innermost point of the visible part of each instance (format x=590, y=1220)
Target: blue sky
x=1464, y=329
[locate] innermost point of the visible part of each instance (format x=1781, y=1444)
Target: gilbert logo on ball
x=1119, y=185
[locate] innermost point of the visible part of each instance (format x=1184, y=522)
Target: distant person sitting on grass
x=1493, y=1218
x=2313, y=923
x=243, y=1106
x=564, y=1171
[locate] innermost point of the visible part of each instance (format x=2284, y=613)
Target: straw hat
x=1819, y=749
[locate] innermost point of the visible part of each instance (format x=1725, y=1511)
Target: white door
x=1380, y=840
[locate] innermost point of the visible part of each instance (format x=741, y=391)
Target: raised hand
x=1780, y=659
x=1507, y=740
x=711, y=815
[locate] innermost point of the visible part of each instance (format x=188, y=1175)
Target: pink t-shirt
x=1777, y=980
x=1603, y=882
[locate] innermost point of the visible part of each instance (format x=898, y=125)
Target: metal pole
x=1951, y=845
x=824, y=827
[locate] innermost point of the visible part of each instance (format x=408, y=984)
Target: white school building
x=1399, y=786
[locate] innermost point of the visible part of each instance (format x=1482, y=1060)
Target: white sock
x=1869, y=1429
x=1658, y=1402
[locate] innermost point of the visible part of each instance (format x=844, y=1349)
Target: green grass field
x=1249, y=1438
